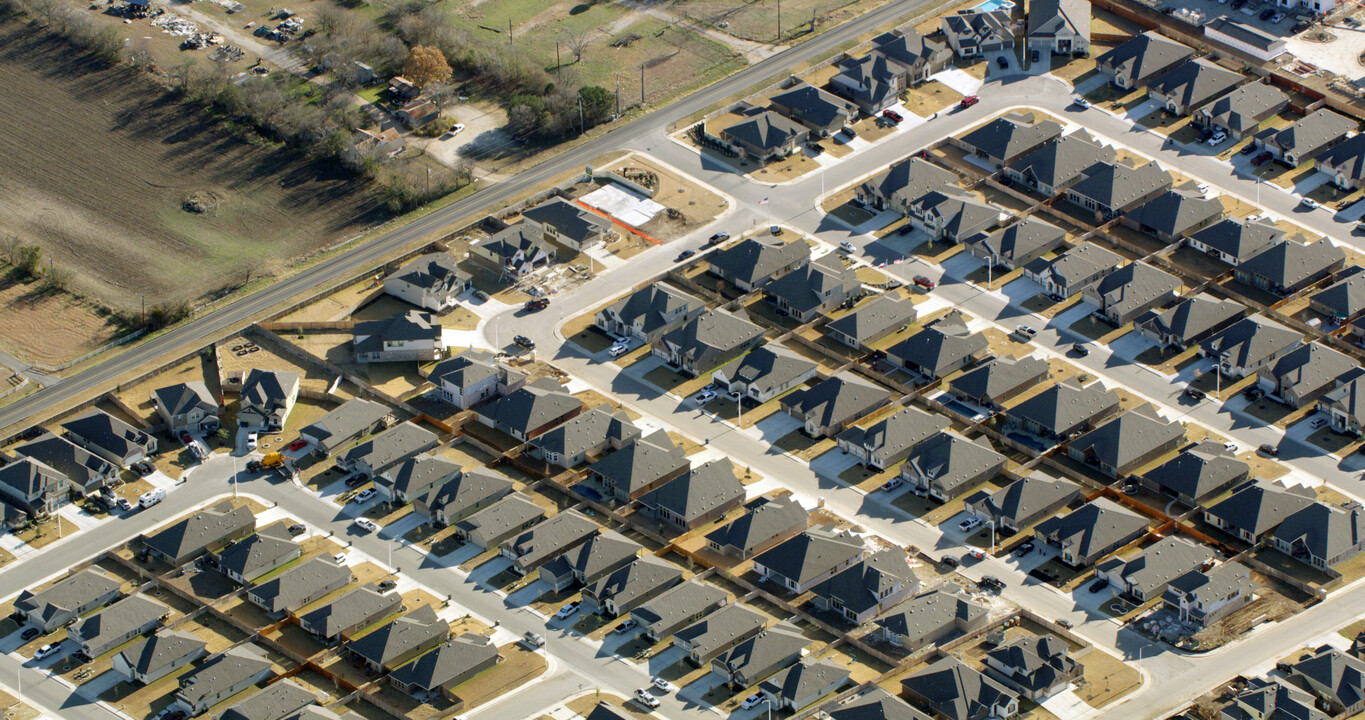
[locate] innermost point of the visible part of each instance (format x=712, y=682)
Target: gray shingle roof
x=117, y=620
x=418, y=475
x=956, y=691
x=907, y=180
x=393, y=640
x=1310, y=368
x=641, y=462
x=448, y=661
x=1065, y=405
x=950, y=460
x=294, y=586
x=1347, y=158
x=82, y=467
x=587, y=430
x=712, y=332
x=807, y=288
x=1324, y=531
x=766, y=131
x=1237, y=238
x=1021, y=239
x=861, y=587
x=1061, y=161
x=653, y=305
x=941, y=345
x=1080, y=263
x=1092, y=527
x=219, y=673
x=265, y=391
x=107, y=432
x=1010, y=136
x=1243, y=109
x=764, y=651
x=1037, y=662
x=1143, y=56
x=640, y=578
x=697, y=491
x=758, y=257
x=760, y=524
x=602, y=552
x=160, y=649
x=183, y=397
x=1175, y=212
x=1126, y=438
x=1335, y=674
x=1151, y=569
x=250, y=556
x=927, y=614
x=795, y=683
x=551, y=536
x=1251, y=340
x=1198, y=471
x=1115, y=185
x=1313, y=132
x=874, y=704
x=500, y=517
x=347, y=420
x=1244, y=33
x=568, y=219
x=391, y=447
x=468, y=368
x=998, y=376
x=1047, y=18
x=677, y=603
x=1209, y=588
x=1027, y=496
x=204, y=528
x=1195, y=316
x=874, y=318
x=410, y=326
x=467, y=490
x=812, y=104
x=906, y=47
x=766, y=367
x=359, y=605
x=810, y=555
x=531, y=406
x=1196, y=82
x=895, y=433
x=1258, y=507
x=1345, y=298
x=437, y=272
x=837, y=399
x=67, y=594
x=720, y=629
x=1289, y=263
x=276, y=702
x=973, y=28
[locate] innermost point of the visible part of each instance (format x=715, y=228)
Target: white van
x=151, y=497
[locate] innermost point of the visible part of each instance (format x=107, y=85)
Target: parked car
x=536, y=304
x=1025, y=331
x=1309, y=203
x=533, y=639
x=1064, y=623
x=1253, y=392
x=1024, y=548
x=297, y=444
x=1193, y=394
x=949, y=561
x=457, y=128
x=974, y=554
x=925, y=282
x=363, y=496
x=1002, y=63
x=1099, y=585
x=618, y=350
x=846, y=246
x=1269, y=449
x=185, y=437
x=892, y=115
x=356, y=481
x=1317, y=422
x=971, y=523
x=47, y=650
x=567, y=611
x=124, y=504
x=685, y=255
x=664, y=685
x=144, y=468
x=297, y=529
x=968, y=101
x=1267, y=13
x=718, y=238
x=525, y=342
x=1262, y=158
x=387, y=585
x=1080, y=349
x=849, y=131
x=775, y=229
x=1249, y=148
x=991, y=583
x=752, y=701
x=892, y=484
x=1217, y=138
x=30, y=633
x=1276, y=18
x=1082, y=103
x=644, y=697
x=366, y=525
x=705, y=396
x=251, y=440
x=625, y=627
x=1230, y=446
x=339, y=558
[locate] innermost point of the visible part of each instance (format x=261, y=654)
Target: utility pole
x=580, y=115
x=557, y=63
x=642, y=83
x=618, y=95
x=509, y=31
x=778, y=39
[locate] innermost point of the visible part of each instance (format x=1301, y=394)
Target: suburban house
x=1127, y=442
x=379, y=144
x=583, y=437
x=601, y=555
x=395, y=643
x=1345, y=406
x=997, y=380
x=187, y=406
x=413, y=335
x=115, y=625
x=515, y=251
x=628, y=587
x=1060, y=27
x=696, y=497
x=1336, y=678
x=1245, y=38
x=864, y=591
x=766, y=135
x=1145, y=575
x=761, y=655
x=949, y=465
x=871, y=322
x=949, y=216
x=801, y=684
x=903, y=182
x=85, y=471
x=952, y=690
x=649, y=312
x=640, y=466
x=1064, y=410
x=1059, y=164
x=1111, y=189
x=754, y=262
x=872, y=702
x=889, y=440
x=432, y=282
x=821, y=112
x=267, y=396
x=707, y=342
x=1023, y=502
x=764, y=373
x=352, y=612
x=299, y=586
x=158, y=655
x=1320, y=535
x=450, y=664
x=1018, y=244
x=717, y=632
x=1192, y=85
x=531, y=410
x=917, y=56
x=385, y=451
x=69, y=598
x=30, y=489
x=417, y=112
x=472, y=377
x=1248, y=345
x=1234, y=241
x=1127, y=293
x=462, y=495
x=1345, y=163
x=1306, y=373
x=1288, y=267
x=251, y=557
x=972, y=33
x=931, y=618
x=219, y=678
x=1197, y=473
x=282, y=700
x=1173, y=215
x=1190, y=321
x=1254, y=509
x=805, y=560
x=489, y=527
x=1091, y=531
x=1037, y=666
x=940, y=348
x=1074, y=270
x=110, y=438
x=534, y=547
x=567, y=224
x=1243, y=111
x=1205, y=597
x=1142, y=59
x=1263, y=698
x=208, y=529
x=765, y=524
x=834, y=404
x=814, y=288
x=1008, y=138
x=676, y=608
x=899, y=59
x=1343, y=300
x=416, y=477
x=347, y=423
x=1304, y=140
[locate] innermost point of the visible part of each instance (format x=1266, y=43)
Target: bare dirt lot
x=98, y=162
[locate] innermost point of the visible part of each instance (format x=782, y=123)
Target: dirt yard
x=98, y=162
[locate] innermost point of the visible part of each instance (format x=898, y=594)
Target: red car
x=185, y=437
x=298, y=444
x=925, y=282
x=893, y=116
x=537, y=304
x=969, y=101
x=1259, y=159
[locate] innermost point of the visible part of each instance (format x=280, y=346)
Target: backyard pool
x=991, y=5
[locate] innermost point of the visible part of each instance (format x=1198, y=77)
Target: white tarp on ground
x=958, y=80
x=623, y=204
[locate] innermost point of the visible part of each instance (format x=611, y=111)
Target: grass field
x=757, y=20
x=98, y=162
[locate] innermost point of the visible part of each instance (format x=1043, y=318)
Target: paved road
x=220, y=320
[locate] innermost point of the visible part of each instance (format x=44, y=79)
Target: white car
x=663, y=685
x=1082, y=103
x=1203, y=189
x=1025, y=331
x=752, y=701
x=617, y=350
x=969, y=524
x=47, y=650
x=705, y=396
x=1276, y=18
x=846, y=246
x=1217, y=138
x=366, y=524
x=567, y=611
x=251, y=439
x=1309, y=203
x=339, y=558
x=457, y=128
x=644, y=697
x=363, y=496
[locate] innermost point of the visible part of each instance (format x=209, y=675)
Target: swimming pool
x=990, y=5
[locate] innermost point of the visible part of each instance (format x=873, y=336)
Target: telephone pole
x=580, y=115
x=618, y=96
x=779, y=21
x=642, y=83
x=557, y=63
x=509, y=31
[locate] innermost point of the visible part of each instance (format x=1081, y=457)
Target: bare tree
x=577, y=44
